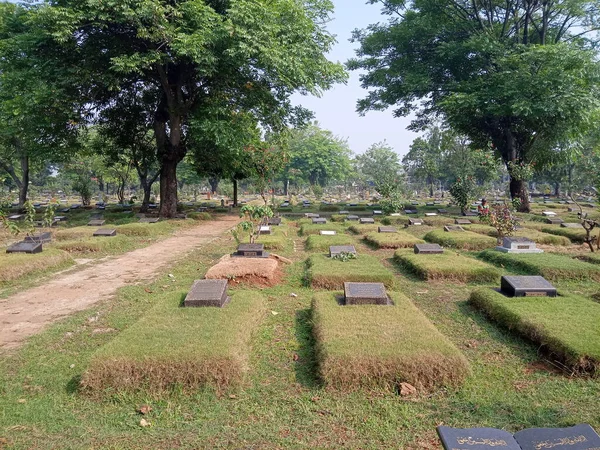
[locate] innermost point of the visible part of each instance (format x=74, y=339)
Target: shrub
x=379, y=347
x=465, y=240
x=327, y=273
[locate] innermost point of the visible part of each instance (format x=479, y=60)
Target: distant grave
x=430, y=214
x=344, y=212
x=16, y=217
x=25, y=247
x=410, y=211
x=377, y=212
x=276, y=221
x=319, y=220
x=327, y=233
x=462, y=222
x=571, y=225
x=428, y=249
x=96, y=222
x=106, y=232
x=518, y=245
x=311, y=215
x=60, y=218
x=335, y=250
x=365, y=294
x=366, y=220
x=526, y=286
x=549, y=213
x=39, y=237
x=554, y=220
x=453, y=228
x=443, y=211
x=352, y=217
x=429, y=204
x=207, y=293
x=414, y=222
x=149, y=220
x=251, y=251
x=386, y=230
x=264, y=229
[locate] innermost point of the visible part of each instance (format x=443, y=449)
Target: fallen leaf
x=296, y=357
x=293, y=295
x=148, y=290
x=21, y=400
x=274, y=313
x=144, y=423
x=144, y=409
x=407, y=389
x=232, y=396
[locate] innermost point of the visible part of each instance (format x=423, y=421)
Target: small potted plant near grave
x=254, y=216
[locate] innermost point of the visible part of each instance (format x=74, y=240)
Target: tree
x=246, y=55
x=518, y=74
x=380, y=165
x=423, y=160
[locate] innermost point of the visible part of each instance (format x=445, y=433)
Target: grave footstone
x=16, y=217
x=64, y=210
x=430, y=214
x=571, y=225
x=251, y=251
x=25, y=247
x=386, y=230
x=338, y=249
x=344, y=212
x=429, y=204
x=554, y=220
x=352, y=217
x=39, y=237
x=149, y=220
x=276, y=221
x=311, y=215
x=549, y=213
x=453, y=228
x=518, y=245
x=526, y=286
x=264, y=229
x=366, y=220
x=428, y=249
x=319, y=220
x=476, y=439
x=206, y=293
x=443, y=211
x=96, y=223
x=377, y=212
x=462, y=222
x=105, y=232
x=410, y=211
x=365, y=294
x=414, y=222
x=395, y=215
x=471, y=214
x=327, y=233
x=60, y=218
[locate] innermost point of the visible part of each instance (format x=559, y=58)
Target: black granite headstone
x=96, y=223
x=428, y=249
x=251, y=251
x=108, y=232
x=39, y=237
x=554, y=220
x=25, y=247
x=386, y=230
x=274, y=221
x=365, y=294
x=526, y=286
x=415, y=222
x=453, y=228
x=319, y=220
x=338, y=249
x=207, y=293
x=443, y=211
x=476, y=439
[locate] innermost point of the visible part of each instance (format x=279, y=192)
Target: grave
x=526, y=286
x=327, y=233
x=251, y=251
x=96, y=222
x=428, y=249
x=338, y=249
x=410, y=211
x=264, y=229
x=453, y=228
x=549, y=213
x=311, y=215
x=39, y=237
x=365, y=294
x=149, y=220
x=462, y=222
x=344, y=212
x=443, y=211
x=554, y=220
x=100, y=207
x=75, y=206
x=25, y=247
x=386, y=230
x=377, y=212
x=152, y=205
x=518, y=245
x=430, y=214
x=395, y=215
x=415, y=222
x=276, y=221
x=16, y=217
x=366, y=220
x=60, y=218
x=351, y=217
x=429, y=204
x=207, y=293
x=107, y=232
x=571, y=225
x=319, y=220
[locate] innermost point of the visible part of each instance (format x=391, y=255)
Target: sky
x=336, y=109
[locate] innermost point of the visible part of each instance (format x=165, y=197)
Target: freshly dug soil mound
x=254, y=271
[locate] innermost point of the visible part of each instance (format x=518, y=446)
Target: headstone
x=366, y=220
x=96, y=223
x=443, y=211
x=395, y=215
x=377, y=212
x=60, y=218
x=251, y=251
x=428, y=249
x=311, y=215
x=471, y=214
x=64, y=210
x=107, y=232
x=415, y=222
x=430, y=214
x=365, y=294
x=386, y=230
x=207, y=293
x=327, y=233
x=571, y=225
x=554, y=220
x=276, y=221
x=16, y=217
x=351, y=217
x=429, y=204
x=149, y=220
x=39, y=237
x=25, y=247
x=152, y=205
x=476, y=439
x=353, y=204
x=410, y=211
x=549, y=213
x=518, y=245
x=319, y=220
x=414, y=203
x=337, y=249
x=526, y=286
x=344, y=212
x=579, y=437
x=264, y=229
x=462, y=222
x=453, y=228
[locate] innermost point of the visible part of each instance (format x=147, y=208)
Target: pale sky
x=336, y=109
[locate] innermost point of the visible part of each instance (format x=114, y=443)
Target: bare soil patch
x=251, y=271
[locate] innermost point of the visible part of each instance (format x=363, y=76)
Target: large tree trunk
x=506, y=142
x=214, y=184
x=557, y=189
x=23, y=189
x=168, y=188
x=147, y=188
x=286, y=187
x=518, y=189
x=235, y=192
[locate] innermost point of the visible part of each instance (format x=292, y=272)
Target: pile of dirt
x=252, y=271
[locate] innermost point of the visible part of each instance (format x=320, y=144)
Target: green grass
x=307, y=229
x=400, y=239
x=278, y=240
x=448, y=266
x=379, y=347
x=567, y=328
x=363, y=229
x=98, y=245
x=315, y=242
x=16, y=265
x=535, y=235
x=551, y=266
x=465, y=240
x=574, y=234
x=324, y=272
x=178, y=348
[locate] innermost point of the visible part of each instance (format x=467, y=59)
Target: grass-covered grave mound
x=379, y=347
x=551, y=266
x=328, y=273
x=363, y=229
x=16, y=265
x=465, y=240
x=315, y=242
x=567, y=327
x=400, y=239
x=450, y=265
x=176, y=347
x=576, y=235
x=536, y=236
x=307, y=229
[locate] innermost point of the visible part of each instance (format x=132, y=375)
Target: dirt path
x=28, y=312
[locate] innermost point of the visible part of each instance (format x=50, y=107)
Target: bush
x=465, y=240
x=327, y=273
x=379, y=347
x=543, y=320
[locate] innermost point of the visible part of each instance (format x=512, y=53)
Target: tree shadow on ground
x=307, y=365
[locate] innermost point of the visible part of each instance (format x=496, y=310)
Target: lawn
x=401, y=239
x=464, y=240
x=448, y=266
x=535, y=235
x=567, y=328
x=309, y=228
x=574, y=234
x=327, y=273
x=316, y=242
x=379, y=347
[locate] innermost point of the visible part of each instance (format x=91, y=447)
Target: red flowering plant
x=501, y=218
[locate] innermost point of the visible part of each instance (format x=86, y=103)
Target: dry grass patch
x=450, y=266
x=175, y=347
x=17, y=265
x=379, y=347
x=465, y=240
x=327, y=273
x=400, y=239
x=71, y=234
x=316, y=242
x=547, y=322
x=551, y=266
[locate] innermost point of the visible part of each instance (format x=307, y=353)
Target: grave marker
x=410, y=211
x=25, y=247
x=338, y=249
x=106, y=232
x=414, y=222
x=526, y=286
x=462, y=222
x=367, y=220
x=207, y=293
x=96, y=222
x=327, y=233
x=319, y=220
x=443, y=211
x=149, y=220
x=377, y=212
x=39, y=237
x=571, y=225
x=365, y=294
x=264, y=229
x=351, y=217
x=428, y=249
x=453, y=228
x=276, y=221
x=518, y=245
x=386, y=230
x=344, y=212
x=251, y=251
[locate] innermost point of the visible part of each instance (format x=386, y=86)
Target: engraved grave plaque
x=571, y=225
x=443, y=211
x=327, y=233
x=386, y=230
x=428, y=249
x=554, y=220
x=526, y=286
x=96, y=223
x=319, y=220
x=518, y=245
x=105, y=232
x=274, y=221
x=344, y=212
x=415, y=222
x=25, y=247
x=366, y=220
x=251, y=251
x=337, y=249
x=476, y=439
x=365, y=294
x=352, y=217
x=311, y=215
x=453, y=228
x=207, y=293
x=579, y=437
x=462, y=222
